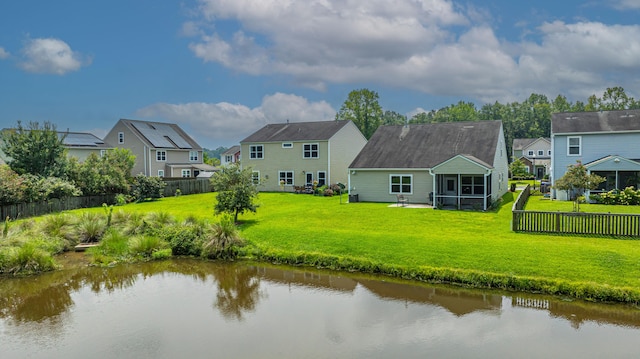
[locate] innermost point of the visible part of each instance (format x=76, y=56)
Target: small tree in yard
x=148, y=188
x=518, y=168
x=236, y=190
x=576, y=181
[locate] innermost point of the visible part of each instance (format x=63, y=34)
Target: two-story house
x=161, y=149
x=232, y=155
x=607, y=143
x=285, y=155
x=535, y=153
x=77, y=144
x=448, y=165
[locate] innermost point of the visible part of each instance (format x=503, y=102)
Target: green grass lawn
x=539, y=203
x=420, y=238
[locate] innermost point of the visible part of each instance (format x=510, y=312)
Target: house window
x=530, y=153
x=103, y=152
x=120, y=137
x=287, y=145
x=160, y=173
x=256, y=152
x=401, y=184
x=322, y=178
x=472, y=185
x=193, y=156
x=255, y=177
x=228, y=158
x=549, y=153
x=285, y=177
x=310, y=150
x=186, y=173
x=161, y=156
x=540, y=153
x=574, y=146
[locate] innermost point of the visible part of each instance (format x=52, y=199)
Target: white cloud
x=3, y=53
x=434, y=46
x=50, y=56
x=225, y=123
x=626, y=4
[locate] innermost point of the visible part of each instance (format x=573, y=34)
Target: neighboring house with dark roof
x=83, y=144
x=535, y=153
x=300, y=153
x=161, y=149
x=77, y=144
x=232, y=155
x=606, y=142
x=452, y=164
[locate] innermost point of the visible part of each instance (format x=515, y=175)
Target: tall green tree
x=36, y=150
x=393, y=118
x=236, y=191
x=110, y=173
x=362, y=107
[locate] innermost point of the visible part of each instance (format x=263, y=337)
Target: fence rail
x=606, y=224
x=23, y=210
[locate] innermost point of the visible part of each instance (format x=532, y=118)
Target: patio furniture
x=401, y=200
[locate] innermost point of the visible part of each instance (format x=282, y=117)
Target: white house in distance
x=161, y=149
x=449, y=165
x=300, y=153
x=607, y=143
x=232, y=155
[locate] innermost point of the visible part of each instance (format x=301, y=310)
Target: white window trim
x=401, y=176
x=293, y=179
x=579, y=146
x=193, y=158
x=325, y=177
x=187, y=172
x=158, y=156
x=540, y=152
x=287, y=145
x=256, y=151
x=530, y=153
x=253, y=177
x=311, y=151
x=549, y=153
x=120, y=137
x=160, y=173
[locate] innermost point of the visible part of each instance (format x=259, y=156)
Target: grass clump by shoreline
x=474, y=249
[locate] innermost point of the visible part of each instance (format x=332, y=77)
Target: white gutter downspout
x=328, y=179
x=146, y=156
x=433, y=187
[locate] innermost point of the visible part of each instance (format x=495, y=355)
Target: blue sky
x=221, y=69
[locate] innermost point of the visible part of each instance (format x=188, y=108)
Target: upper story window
x=540, y=152
x=530, y=153
x=574, y=146
x=287, y=145
x=193, y=156
x=310, y=150
x=549, y=153
x=161, y=156
x=228, y=158
x=120, y=137
x=256, y=152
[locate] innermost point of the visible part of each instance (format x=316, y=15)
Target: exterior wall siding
x=373, y=185
x=593, y=147
x=500, y=174
x=344, y=146
x=459, y=166
x=131, y=142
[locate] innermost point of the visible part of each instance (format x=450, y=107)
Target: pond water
x=195, y=309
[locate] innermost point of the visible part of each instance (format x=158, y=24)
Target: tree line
x=530, y=118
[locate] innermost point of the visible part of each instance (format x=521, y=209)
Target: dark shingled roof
x=599, y=121
x=427, y=145
x=161, y=134
x=296, y=131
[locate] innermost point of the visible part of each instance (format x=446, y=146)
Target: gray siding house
x=161, y=149
x=535, y=153
x=606, y=142
x=301, y=153
x=449, y=165
x=82, y=144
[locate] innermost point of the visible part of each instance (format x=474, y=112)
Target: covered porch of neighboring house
x=462, y=182
x=618, y=172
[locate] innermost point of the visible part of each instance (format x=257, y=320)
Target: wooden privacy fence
x=23, y=210
x=606, y=224
x=186, y=186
